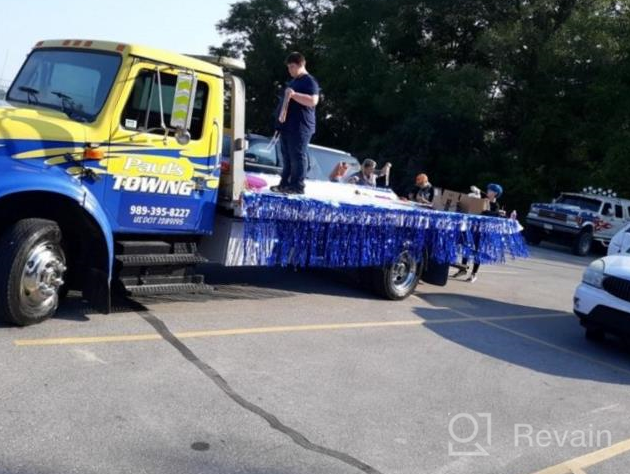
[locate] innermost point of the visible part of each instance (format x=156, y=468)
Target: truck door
x=610, y=222
x=162, y=179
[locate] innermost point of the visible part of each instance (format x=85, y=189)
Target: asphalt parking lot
x=278, y=371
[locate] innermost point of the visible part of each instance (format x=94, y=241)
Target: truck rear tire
x=398, y=280
x=532, y=236
x=583, y=242
x=595, y=334
x=32, y=267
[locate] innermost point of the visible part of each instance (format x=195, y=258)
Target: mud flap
x=435, y=273
x=96, y=291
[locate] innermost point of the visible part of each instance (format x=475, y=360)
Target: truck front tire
x=32, y=267
x=398, y=280
x=583, y=242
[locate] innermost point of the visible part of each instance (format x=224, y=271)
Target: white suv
x=602, y=300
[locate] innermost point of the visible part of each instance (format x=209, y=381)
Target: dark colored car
x=259, y=158
x=394, y=281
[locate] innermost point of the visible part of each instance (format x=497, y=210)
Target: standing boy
x=297, y=124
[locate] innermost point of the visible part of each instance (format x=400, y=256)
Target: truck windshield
x=74, y=82
x=588, y=204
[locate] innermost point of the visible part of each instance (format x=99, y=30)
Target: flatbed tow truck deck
x=113, y=180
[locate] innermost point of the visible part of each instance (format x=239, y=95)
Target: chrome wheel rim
x=42, y=277
x=403, y=273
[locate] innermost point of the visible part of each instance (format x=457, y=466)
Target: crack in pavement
x=297, y=437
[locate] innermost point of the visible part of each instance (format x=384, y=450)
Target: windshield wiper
x=67, y=104
x=61, y=95
x=30, y=94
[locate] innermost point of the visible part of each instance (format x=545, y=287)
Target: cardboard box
x=452, y=201
x=473, y=205
x=446, y=200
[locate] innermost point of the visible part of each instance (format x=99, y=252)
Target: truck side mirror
x=182, y=136
x=183, y=105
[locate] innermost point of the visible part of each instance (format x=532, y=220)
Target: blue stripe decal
x=16, y=146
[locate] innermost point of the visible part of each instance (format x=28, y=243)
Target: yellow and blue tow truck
x=112, y=178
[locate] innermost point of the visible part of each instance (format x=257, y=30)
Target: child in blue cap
x=493, y=192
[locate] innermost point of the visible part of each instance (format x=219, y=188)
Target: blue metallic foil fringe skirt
x=303, y=232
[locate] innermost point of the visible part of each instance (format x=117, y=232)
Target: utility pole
x=2, y=81
x=4, y=64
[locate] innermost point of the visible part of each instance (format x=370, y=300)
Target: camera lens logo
x=470, y=434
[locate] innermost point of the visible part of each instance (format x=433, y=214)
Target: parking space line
x=489, y=322
x=211, y=333
x=577, y=465
x=512, y=317
x=61, y=341
x=500, y=272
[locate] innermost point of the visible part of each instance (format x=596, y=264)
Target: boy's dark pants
x=295, y=159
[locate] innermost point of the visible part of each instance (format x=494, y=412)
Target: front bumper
x=597, y=308
x=551, y=227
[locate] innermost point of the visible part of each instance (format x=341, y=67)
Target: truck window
x=324, y=161
x=588, y=204
x=618, y=211
x=76, y=82
x=607, y=209
x=142, y=111
x=226, y=147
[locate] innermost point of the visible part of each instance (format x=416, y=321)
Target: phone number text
x=153, y=211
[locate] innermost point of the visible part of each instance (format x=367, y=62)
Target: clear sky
x=184, y=26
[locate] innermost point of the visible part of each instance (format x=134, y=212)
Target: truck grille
x=617, y=287
x=553, y=215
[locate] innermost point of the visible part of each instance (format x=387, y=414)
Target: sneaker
x=472, y=278
x=293, y=191
x=461, y=272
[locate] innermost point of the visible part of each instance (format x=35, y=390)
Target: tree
x=531, y=93
x=263, y=32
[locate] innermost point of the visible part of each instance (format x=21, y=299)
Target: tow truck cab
x=110, y=160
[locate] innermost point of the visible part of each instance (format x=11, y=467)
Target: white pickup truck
x=578, y=220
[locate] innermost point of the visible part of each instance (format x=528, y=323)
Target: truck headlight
x=594, y=274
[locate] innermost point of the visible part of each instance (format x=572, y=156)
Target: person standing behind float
x=423, y=191
x=297, y=124
x=368, y=174
x=494, y=191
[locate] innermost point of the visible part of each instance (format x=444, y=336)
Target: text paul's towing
x=112, y=180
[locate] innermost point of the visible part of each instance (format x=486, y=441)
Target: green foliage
x=534, y=94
